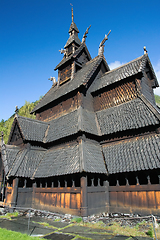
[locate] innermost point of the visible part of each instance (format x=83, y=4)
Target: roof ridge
x=31, y=119
x=43, y=98
x=121, y=104
x=134, y=60
x=152, y=108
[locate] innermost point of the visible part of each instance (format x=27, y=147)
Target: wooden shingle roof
x=32, y=129
x=134, y=114
x=72, y=158
x=74, y=55
x=141, y=153
x=127, y=70
x=81, y=78
x=63, y=159
x=130, y=115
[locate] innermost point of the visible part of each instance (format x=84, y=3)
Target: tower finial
x=85, y=34
x=145, y=50
x=16, y=111
x=2, y=140
x=101, y=46
x=72, y=12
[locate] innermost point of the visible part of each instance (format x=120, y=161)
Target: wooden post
x=73, y=183
x=148, y=178
x=25, y=183
x=159, y=178
x=137, y=179
x=33, y=194
x=14, y=192
x=106, y=184
x=84, y=204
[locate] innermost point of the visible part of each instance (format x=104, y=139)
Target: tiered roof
x=65, y=150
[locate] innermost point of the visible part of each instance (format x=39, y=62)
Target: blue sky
x=32, y=32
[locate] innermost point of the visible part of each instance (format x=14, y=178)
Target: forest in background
x=25, y=110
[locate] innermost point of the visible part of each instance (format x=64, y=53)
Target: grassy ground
x=142, y=229
x=9, y=215
x=10, y=235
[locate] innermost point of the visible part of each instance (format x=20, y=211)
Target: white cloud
x=157, y=71
x=115, y=64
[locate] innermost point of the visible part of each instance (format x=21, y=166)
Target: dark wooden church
x=95, y=144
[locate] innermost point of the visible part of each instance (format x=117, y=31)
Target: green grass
x=76, y=220
x=57, y=220
x=150, y=232
x=116, y=228
x=10, y=235
x=9, y=215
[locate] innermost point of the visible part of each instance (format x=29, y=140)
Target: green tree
x=24, y=111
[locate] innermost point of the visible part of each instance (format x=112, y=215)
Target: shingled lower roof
x=130, y=115
x=79, y=156
x=69, y=124
x=9, y=154
x=63, y=126
x=81, y=78
x=127, y=70
x=141, y=153
x=72, y=158
x=32, y=129
x=27, y=163
x=21, y=162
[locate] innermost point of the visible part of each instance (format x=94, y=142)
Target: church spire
x=72, y=15
x=73, y=28
x=73, y=41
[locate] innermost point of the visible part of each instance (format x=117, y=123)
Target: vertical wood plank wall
x=142, y=199
x=97, y=199
x=63, y=200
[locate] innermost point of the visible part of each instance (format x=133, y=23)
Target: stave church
x=95, y=143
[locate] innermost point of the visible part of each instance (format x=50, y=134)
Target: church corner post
x=106, y=185
x=84, y=203
x=14, y=195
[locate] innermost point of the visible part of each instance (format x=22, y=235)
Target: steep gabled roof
x=74, y=55
x=31, y=129
x=127, y=70
x=133, y=114
x=9, y=154
x=71, y=123
x=27, y=162
x=21, y=162
x=73, y=26
x=72, y=158
x=63, y=126
x=81, y=78
x=141, y=153
x=63, y=159
x=72, y=38
x=130, y=115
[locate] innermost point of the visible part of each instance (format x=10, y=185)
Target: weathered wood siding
x=8, y=194
x=97, y=199
x=64, y=200
x=24, y=197
x=115, y=96
x=142, y=199
x=65, y=74
x=58, y=110
x=147, y=90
